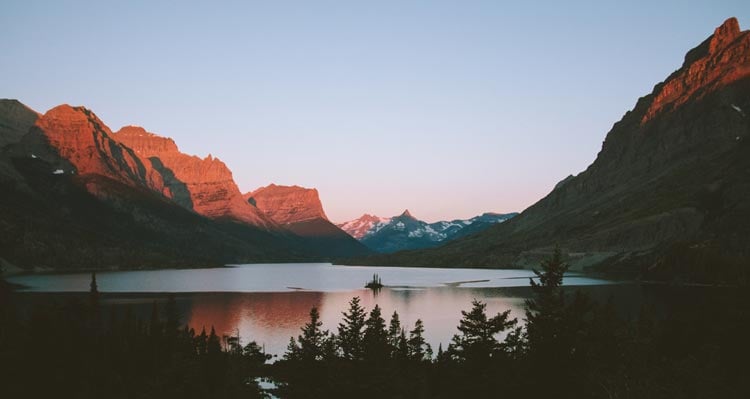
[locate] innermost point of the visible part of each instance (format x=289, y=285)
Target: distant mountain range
x=78, y=195
x=386, y=235
x=668, y=196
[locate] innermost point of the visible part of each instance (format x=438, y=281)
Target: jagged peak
x=724, y=34
x=407, y=214
x=720, y=60
x=137, y=131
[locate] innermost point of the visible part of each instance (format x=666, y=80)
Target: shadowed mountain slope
x=668, y=196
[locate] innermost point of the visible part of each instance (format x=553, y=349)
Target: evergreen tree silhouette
x=213, y=345
x=545, y=311
x=201, y=342
x=476, y=341
x=312, y=340
x=293, y=350
x=350, y=331
x=419, y=349
x=95, y=318
x=376, y=336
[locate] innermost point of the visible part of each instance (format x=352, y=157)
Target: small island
x=376, y=283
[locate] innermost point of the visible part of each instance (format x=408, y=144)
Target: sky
x=446, y=108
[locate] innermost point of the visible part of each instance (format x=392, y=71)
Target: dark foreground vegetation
x=569, y=346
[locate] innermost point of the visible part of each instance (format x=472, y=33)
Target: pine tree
x=213, y=345
x=376, y=336
x=402, y=348
x=545, y=312
x=441, y=357
x=476, y=341
x=253, y=352
x=394, y=329
x=293, y=351
x=350, y=331
x=313, y=338
x=172, y=317
x=201, y=342
x=396, y=338
x=94, y=308
x=330, y=348
x=419, y=349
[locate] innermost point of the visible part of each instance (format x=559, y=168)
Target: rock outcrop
x=721, y=59
x=287, y=204
x=299, y=210
x=76, y=141
x=50, y=220
x=204, y=185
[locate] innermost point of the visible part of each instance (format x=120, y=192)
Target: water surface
x=269, y=303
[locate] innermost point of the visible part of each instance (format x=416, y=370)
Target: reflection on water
x=269, y=303
x=271, y=318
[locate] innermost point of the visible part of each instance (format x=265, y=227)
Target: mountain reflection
x=271, y=318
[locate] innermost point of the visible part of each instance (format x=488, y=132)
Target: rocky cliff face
x=299, y=210
x=668, y=195
x=76, y=141
x=720, y=60
x=204, y=185
x=287, y=204
x=50, y=220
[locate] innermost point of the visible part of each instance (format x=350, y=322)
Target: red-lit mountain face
x=77, y=195
x=300, y=211
x=668, y=196
x=287, y=204
x=204, y=185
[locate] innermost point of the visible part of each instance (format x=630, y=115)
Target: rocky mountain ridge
x=668, y=196
x=78, y=195
x=386, y=235
x=300, y=211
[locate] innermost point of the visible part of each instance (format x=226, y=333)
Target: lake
x=269, y=303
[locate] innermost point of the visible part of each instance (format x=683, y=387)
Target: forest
x=568, y=345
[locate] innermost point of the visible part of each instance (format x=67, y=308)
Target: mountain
x=364, y=225
x=204, y=185
x=287, y=204
x=299, y=210
x=386, y=235
x=668, y=196
x=77, y=195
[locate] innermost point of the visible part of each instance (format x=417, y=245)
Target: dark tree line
x=76, y=349
x=568, y=346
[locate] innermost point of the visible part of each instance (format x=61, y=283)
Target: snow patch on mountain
x=407, y=232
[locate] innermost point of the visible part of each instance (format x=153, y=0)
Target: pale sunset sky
x=447, y=108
